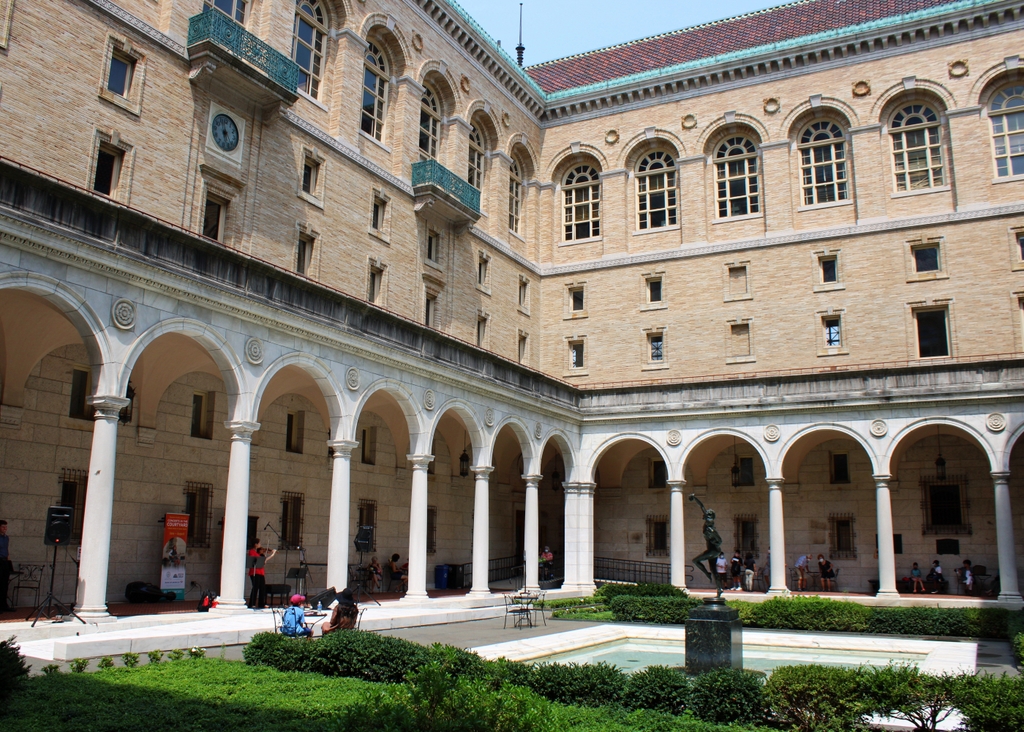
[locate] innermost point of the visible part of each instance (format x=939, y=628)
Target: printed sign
x=172, y=574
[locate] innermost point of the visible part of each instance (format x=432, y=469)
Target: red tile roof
x=712, y=39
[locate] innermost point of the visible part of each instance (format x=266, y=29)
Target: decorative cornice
x=702, y=249
x=505, y=249
x=137, y=24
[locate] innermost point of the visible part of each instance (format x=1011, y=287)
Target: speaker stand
x=50, y=602
x=360, y=584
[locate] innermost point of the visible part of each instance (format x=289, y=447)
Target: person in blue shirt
x=5, y=565
x=294, y=621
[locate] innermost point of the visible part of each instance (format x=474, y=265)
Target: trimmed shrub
x=12, y=667
x=810, y=613
x=660, y=688
x=458, y=663
x=991, y=703
x=278, y=651
x=130, y=660
x=78, y=665
x=503, y=672
x=176, y=655
x=1018, y=648
x=587, y=685
x=363, y=655
x=50, y=669
x=817, y=698
x=105, y=663
x=644, y=589
x=155, y=656
x=658, y=610
x=954, y=621
x=905, y=693
x=728, y=695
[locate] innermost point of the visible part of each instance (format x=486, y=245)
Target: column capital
x=775, y=484
x=419, y=462
x=676, y=486
x=881, y=480
x=107, y=407
x=999, y=476
x=342, y=448
x=533, y=480
x=482, y=471
x=587, y=489
x=241, y=430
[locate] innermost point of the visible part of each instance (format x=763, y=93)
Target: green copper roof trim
x=812, y=38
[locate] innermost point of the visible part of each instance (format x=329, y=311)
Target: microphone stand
x=284, y=576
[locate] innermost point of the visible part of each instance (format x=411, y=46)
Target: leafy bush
x=817, y=698
x=105, y=663
x=588, y=685
x=503, y=672
x=659, y=688
x=658, y=610
x=12, y=667
x=79, y=665
x=176, y=655
x=644, y=589
x=570, y=602
x=905, y=693
x=130, y=660
x=991, y=703
x=728, y=695
x=279, y=651
x=363, y=655
x=197, y=652
x=1018, y=648
x=155, y=656
x=458, y=662
x=50, y=669
x=810, y=613
x=955, y=621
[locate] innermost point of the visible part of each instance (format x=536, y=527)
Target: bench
x=907, y=587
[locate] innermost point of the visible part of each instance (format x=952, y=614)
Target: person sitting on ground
x=376, y=574
x=801, y=568
x=293, y=623
x=935, y=575
x=967, y=577
x=345, y=614
x=828, y=574
x=736, y=569
x=915, y=578
x=749, y=572
x=547, y=563
x=396, y=571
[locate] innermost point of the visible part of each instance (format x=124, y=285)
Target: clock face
x=225, y=132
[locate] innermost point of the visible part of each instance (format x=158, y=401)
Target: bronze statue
x=714, y=546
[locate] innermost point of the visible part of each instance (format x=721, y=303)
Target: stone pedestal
x=714, y=637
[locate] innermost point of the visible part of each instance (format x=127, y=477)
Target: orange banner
x=172, y=575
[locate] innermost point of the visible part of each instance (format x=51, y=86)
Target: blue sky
x=556, y=28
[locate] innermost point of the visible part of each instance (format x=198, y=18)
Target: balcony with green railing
x=265, y=72
x=462, y=201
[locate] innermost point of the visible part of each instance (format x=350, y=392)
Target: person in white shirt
x=720, y=567
x=801, y=568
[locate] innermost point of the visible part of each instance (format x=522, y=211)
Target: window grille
x=367, y=510
x=945, y=505
x=746, y=535
x=431, y=529
x=73, y=486
x=657, y=536
x=199, y=507
x=842, y=539
x=291, y=520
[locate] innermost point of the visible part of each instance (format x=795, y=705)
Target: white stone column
x=481, y=530
x=776, y=538
x=91, y=603
x=338, y=532
x=571, y=550
x=418, y=528
x=236, y=518
x=1009, y=589
x=886, y=549
x=531, y=532
x=585, y=568
x=676, y=535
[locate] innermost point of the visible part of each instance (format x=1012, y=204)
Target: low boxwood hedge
x=657, y=610
x=644, y=589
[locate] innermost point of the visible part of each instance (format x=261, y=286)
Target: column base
x=1015, y=600
x=230, y=607
x=95, y=615
x=479, y=593
x=888, y=595
x=414, y=597
x=779, y=592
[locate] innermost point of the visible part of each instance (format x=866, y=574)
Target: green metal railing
x=211, y=25
x=431, y=172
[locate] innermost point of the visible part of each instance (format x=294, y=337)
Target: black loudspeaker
x=326, y=597
x=59, y=520
x=364, y=539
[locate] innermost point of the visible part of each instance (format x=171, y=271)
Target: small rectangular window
x=657, y=536
x=79, y=407
x=122, y=68
x=829, y=270
x=926, y=259
x=213, y=218
x=294, y=428
x=368, y=446
x=74, y=485
x=746, y=537
x=433, y=239
x=367, y=516
x=303, y=255
x=840, y=467
x=932, y=334
x=292, y=505
x=481, y=271
x=657, y=343
x=522, y=347
x=654, y=289
x=202, y=417
x=231, y=8
x=199, y=507
x=108, y=170
x=659, y=474
x=576, y=355
x=374, y=287
x=428, y=310
x=524, y=292
x=377, y=217
x=842, y=537
x=947, y=546
x=738, y=281
x=833, y=331
x=1020, y=247
x=576, y=297
x=310, y=174
x=431, y=529
x=746, y=474
x=739, y=341
x=481, y=332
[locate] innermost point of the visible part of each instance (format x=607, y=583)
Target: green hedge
x=657, y=610
x=12, y=667
x=644, y=589
x=810, y=613
x=588, y=685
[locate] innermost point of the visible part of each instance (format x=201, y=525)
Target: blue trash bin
x=441, y=577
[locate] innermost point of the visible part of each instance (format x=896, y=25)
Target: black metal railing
x=504, y=568
x=627, y=570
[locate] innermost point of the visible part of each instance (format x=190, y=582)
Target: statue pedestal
x=714, y=637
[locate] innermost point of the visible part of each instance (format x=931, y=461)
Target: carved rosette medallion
x=959, y=68
x=352, y=378
x=538, y=430
x=772, y=105
x=254, y=351
x=673, y=438
x=611, y=136
x=689, y=122
x=429, y=400
x=772, y=433
x=417, y=42
x=489, y=417
x=122, y=312
x=996, y=422
x=861, y=88
x=879, y=428
x=464, y=83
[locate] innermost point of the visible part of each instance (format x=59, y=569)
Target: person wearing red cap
x=294, y=621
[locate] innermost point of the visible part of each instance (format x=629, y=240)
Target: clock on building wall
x=225, y=132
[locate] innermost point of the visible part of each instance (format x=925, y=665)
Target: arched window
x=823, y=164
x=736, y=176
x=476, y=158
x=1007, y=112
x=656, y=191
x=308, y=44
x=430, y=123
x=375, y=91
x=916, y=148
x=582, y=191
x=234, y=9
x=515, y=195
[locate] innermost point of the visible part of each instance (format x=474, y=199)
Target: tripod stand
x=360, y=583
x=50, y=602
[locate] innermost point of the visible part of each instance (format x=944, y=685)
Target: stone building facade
x=298, y=267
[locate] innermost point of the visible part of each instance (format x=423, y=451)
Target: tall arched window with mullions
x=430, y=124
x=1007, y=113
x=823, y=168
x=515, y=195
x=737, y=189
x=476, y=159
x=916, y=148
x=308, y=45
x=234, y=9
x=582, y=195
x=656, y=191
x=375, y=92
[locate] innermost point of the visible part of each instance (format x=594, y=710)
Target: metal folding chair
x=520, y=611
